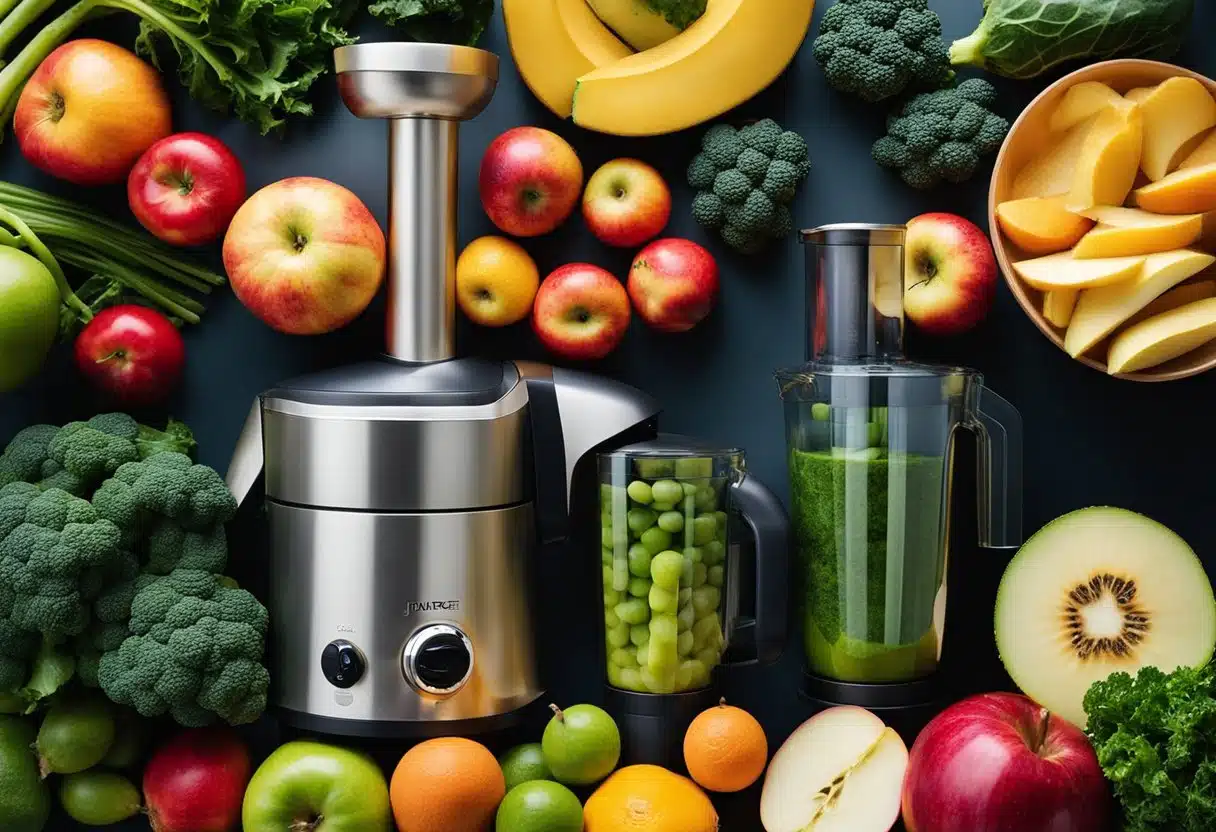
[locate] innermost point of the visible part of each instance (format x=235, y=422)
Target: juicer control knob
x=342, y=664
x=438, y=659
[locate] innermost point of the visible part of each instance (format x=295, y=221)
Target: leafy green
x=1155, y=736
x=1024, y=38
x=461, y=22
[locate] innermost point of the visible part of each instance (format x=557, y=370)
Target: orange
x=446, y=785
x=725, y=749
x=649, y=799
x=496, y=281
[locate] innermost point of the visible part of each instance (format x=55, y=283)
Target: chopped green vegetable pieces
x=460, y=22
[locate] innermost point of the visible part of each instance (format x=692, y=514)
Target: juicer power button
x=342, y=664
x=438, y=660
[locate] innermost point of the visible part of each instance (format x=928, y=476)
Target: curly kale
x=54, y=553
x=460, y=22
x=745, y=180
x=195, y=652
x=875, y=49
x=942, y=136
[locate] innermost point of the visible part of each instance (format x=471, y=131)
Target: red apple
x=304, y=255
x=88, y=112
x=133, y=353
x=626, y=203
x=673, y=284
x=998, y=762
x=530, y=181
x=185, y=188
x=581, y=312
x=950, y=274
x=196, y=782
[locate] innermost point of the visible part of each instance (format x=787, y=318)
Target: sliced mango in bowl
x=1163, y=337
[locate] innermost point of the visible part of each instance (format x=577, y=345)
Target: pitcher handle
x=769, y=524
x=998, y=432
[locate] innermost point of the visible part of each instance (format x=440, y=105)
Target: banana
x=638, y=25
x=735, y=50
x=554, y=42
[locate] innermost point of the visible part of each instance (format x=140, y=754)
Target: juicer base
x=376, y=729
x=905, y=706
x=653, y=725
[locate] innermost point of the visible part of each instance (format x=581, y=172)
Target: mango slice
x=1123, y=232
x=1163, y=337
x=1188, y=191
x=1204, y=154
x=1058, y=306
x=1051, y=173
x=1041, y=225
x=1081, y=102
x=1110, y=158
x=1176, y=112
x=1063, y=271
x=1100, y=310
x=1186, y=292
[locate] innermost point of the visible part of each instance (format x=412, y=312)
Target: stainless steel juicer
x=410, y=498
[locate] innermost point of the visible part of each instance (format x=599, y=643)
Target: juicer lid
x=854, y=234
x=673, y=446
x=461, y=382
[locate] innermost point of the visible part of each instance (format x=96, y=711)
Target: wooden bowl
x=1029, y=137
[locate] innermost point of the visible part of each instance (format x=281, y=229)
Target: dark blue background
x=1089, y=439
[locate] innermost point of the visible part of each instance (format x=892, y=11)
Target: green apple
x=539, y=806
x=312, y=787
x=523, y=763
x=29, y=316
x=582, y=745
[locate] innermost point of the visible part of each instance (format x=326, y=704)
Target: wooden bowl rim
x=1016, y=286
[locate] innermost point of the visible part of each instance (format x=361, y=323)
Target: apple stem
x=1041, y=736
x=111, y=356
x=302, y=825
x=722, y=702
x=557, y=712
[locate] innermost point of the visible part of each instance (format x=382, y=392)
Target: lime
x=539, y=806
x=523, y=763
x=582, y=743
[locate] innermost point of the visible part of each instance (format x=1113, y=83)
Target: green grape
x=662, y=507
x=640, y=492
x=671, y=521
x=663, y=601
x=614, y=675
x=618, y=636
x=606, y=556
x=821, y=411
x=690, y=490
x=705, y=599
x=639, y=587
x=652, y=469
x=694, y=467
x=686, y=617
x=665, y=628
x=626, y=656
x=659, y=683
x=716, y=576
x=611, y=597
x=630, y=678
x=685, y=596
x=667, y=491
x=707, y=631
x=661, y=655
x=606, y=518
x=686, y=573
x=698, y=672
x=607, y=541
x=610, y=619
x=683, y=677
x=699, y=575
x=692, y=553
x=714, y=552
x=639, y=561
x=632, y=611
x=703, y=529
x=639, y=634
x=721, y=518
x=640, y=519
x=608, y=576
x=684, y=644
x=655, y=540
x=666, y=568
x=709, y=658
x=643, y=653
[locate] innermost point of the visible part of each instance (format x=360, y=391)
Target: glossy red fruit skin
x=673, y=284
x=185, y=188
x=974, y=768
x=132, y=353
x=196, y=782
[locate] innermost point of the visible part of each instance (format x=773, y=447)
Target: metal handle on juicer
x=769, y=525
x=998, y=433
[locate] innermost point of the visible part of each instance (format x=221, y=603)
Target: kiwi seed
x=1136, y=622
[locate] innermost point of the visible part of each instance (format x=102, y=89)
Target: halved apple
x=1186, y=191
x=1101, y=310
x=1041, y=225
x=1051, y=173
x=1063, y=271
x=1058, y=306
x=1176, y=113
x=1163, y=337
x=1186, y=292
x=1123, y=232
x=840, y=771
x=1110, y=158
x=1081, y=102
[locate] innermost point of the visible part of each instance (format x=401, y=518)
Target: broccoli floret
x=16, y=648
x=85, y=453
x=54, y=554
x=164, y=486
x=942, y=136
x=26, y=457
x=195, y=652
x=875, y=49
x=111, y=612
x=170, y=547
x=679, y=13
x=175, y=438
x=745, y=180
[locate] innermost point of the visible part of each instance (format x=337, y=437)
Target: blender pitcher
x=673, y=584
x=871, y=439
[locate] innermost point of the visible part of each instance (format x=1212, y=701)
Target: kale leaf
x=1155, y=736
x=460, y=22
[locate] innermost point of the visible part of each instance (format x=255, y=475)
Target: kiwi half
x=1097, y=591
